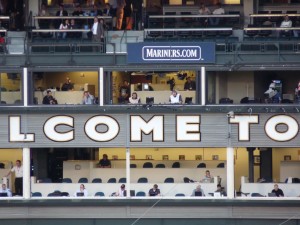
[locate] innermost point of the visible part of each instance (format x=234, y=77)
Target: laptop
x=132, y=193
x=198, y=193
x=217, y=194
x=79, y=194
x=272, y=194
x=3, y=194
x=188, y=100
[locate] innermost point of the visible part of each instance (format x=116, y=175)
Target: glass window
x=10, y=84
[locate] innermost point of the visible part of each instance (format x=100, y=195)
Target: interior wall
x=10, y=84
x=239, y=85
x=11, y=155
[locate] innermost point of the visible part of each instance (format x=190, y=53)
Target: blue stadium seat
x=112, y=180
x=160, y=165
x=169, y=180
x=140, y=194
x=97, y=180
x=148, y=165
x=66, y=180
x=179, y=195
x=143, y=180
x=201, y=165
x=122, y=180
x=83, y=180
x=99, y=194
x=36, y=194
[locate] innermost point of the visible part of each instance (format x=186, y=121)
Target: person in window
x=107, y=11
x=4, y=189
x=189, y=84
x=286, y=23
x=175, y=98
x=49, y=99
x=134, y=99
x=78, y=12
x=278, y=192
x=87, y=98
x=122, y=191
x=154, y=191
x=221, y=190
x=203, y=10
x=120, y=13
x=124, y=92
x=67, y=86
x=96, y=11
x=60, y=12
x=63, y=26
x=97, y=32
x=214, y=21
x=198, y=189
x=18, y=170
x=81, y=191
x=104, y=162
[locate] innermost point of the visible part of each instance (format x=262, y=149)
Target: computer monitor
x=79, y=194
x=272, y=194
x=217, y=194
x=188, y=100
x=198, y=193
x=132, y=193
x=152, y=193
x=3, y=194
x=149, y=100
x=145, y=87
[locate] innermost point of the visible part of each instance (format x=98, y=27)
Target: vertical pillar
x=230, y=172
x=249, y=7
x=128, y=172
x=251, y=164
x=101, y=87
x=26, y=173
x=25, y=86
x=203, y=86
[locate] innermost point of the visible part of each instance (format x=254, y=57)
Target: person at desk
x=203, y=10
x=49, y=99
x=74, y=26
x=124, y=92
x=95, y=11
x=104, y=162
x=207, y=177
x=278, y=192
x=63, y=26
x=87, y=98
x=221, y=190
x=18, y=170
x=286, y=23
x=154, y=191
x=198, y=191
x=6, y=190
x=214, y=21
x=121, y=192
x=175, y=98
x=134, y=99
x=107, y=11
x=81, y=192
x=67, y=86
x=189, y=84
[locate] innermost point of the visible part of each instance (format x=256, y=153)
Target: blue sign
x=144, y=52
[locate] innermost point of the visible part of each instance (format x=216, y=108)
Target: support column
x=203, y=86
x=127, y=172
x=230, y=172
x=25, y=86
x=251, y=164
x=101, y=87
x=26, y=173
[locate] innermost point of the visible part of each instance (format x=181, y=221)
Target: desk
x=63, y=97
x=267, y=15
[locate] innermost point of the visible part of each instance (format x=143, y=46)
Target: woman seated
x=134, y=99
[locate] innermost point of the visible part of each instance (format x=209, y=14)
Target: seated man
x=207, y=177
x=221, y=190
x=6, y=190
x=198, y=191
x=154, y=191
x=87, y=98
x=214, y=21
x=104, y=162
x=277, y=191
x=49, y=99
x=286, y=23
x=189, y=84
x=124, y=92
x=175, y=98
x=67, y=86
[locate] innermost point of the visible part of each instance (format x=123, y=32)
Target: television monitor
x=79, y=194
x=198, y=193
x=272, y=194
x=145, y=87
x=132, y=193
x=3, y=194
x=150, y=100
x=188, y=100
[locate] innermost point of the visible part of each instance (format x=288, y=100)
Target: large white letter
x=51, y=132
x=244, y=122
x=286, y=135
x=111, y=131
x=188, y=128
x=15, y=134
x=138, y=126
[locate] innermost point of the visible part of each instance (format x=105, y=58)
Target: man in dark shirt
x=49, y=99
x=67, y=86
x=60, y=12
x=154, y=191
x=104, y=162
x=277, y=191
x=189, y=84
x=124, y=92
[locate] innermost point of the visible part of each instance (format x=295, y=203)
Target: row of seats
x=174, y=165
x=114, y=180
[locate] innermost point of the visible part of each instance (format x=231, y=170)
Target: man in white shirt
x=286, y=23
x=214, y=21
x=175, y=98
x=4, y=189
x=18, y=170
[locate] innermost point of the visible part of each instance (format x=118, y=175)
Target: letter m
x=139, y=126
